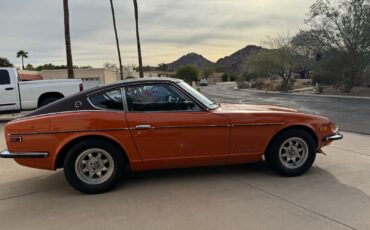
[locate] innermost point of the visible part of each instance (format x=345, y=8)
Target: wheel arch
x=305, y=128
x=47, y=95
x=66, y=147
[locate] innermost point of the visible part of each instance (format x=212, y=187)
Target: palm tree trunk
x=22, y=63
x=68, y=40
x=117, y=41
x=138, y=40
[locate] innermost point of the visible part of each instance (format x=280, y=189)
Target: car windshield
x=200, y=97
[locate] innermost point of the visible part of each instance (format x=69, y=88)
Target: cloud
x=169, y=29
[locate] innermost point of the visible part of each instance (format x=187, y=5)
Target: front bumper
x=6, y=154
x=337, y=136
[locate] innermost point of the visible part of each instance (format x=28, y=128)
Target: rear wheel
x=94, y=166
x=291, y=153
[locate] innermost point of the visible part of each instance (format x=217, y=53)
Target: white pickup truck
x=18, y=96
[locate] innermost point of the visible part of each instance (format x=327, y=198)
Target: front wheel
x=291, y=153
x=93, y=166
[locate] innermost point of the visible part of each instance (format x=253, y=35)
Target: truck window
x=4, y=77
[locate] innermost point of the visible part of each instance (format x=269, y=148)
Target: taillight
x=81, y=87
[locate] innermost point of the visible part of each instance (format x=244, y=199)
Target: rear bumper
x=335, y=137
x=6, y=154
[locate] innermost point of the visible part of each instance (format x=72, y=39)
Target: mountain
x=235, y=63
x=191, y=58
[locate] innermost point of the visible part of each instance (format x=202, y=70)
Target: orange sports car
x=160, y=123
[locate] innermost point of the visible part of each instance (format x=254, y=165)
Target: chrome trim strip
x=124, y=99
x=183, y=127
x=6, y=154
x=256, y=124
x=209, y=126
x=335, y=137
x=67, y=131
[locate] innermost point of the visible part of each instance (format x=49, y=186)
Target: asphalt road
x=351, y=114
x=334, y=194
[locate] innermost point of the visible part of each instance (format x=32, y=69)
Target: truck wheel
x=48, y=101
x=93, y=166
x=291, y=153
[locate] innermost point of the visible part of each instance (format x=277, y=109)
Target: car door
x=171, y=130
x=8, y=91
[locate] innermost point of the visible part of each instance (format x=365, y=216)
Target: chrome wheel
x=94, y=166
x=293, y=153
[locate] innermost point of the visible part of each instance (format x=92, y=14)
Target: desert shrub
x=241, y=83
x=285, y=85
x=322, y=78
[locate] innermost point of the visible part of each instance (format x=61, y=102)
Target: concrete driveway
x=335, y=194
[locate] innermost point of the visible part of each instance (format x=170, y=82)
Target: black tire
x=48, y=100
x=70, y=168
x=277, y=162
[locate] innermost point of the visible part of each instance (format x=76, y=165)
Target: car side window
x=4, y=77
x=157, y=97
x=111, y=100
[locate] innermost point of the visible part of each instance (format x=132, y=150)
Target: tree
x=343, y=27
x=67, y=36
x=162, y=67
x=188, y=73
x=22, y=54
x=280, y=61
x=208, y=71
x=29, y=67
x=141, y=72
x=306, y=49
x=4, y=62
x=113, y=66
x=117, y=41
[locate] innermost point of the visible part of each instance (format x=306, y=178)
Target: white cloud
x=169, y=29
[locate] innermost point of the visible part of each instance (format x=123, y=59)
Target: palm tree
x=138, y=40
x=117, y=41
x=23, y=54
x=67, y=36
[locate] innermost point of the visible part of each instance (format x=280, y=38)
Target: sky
x=168, y=28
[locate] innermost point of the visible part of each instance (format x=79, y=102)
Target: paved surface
x=333, y=195
x=351, y=114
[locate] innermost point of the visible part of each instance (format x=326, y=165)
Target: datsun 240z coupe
x=160, y=123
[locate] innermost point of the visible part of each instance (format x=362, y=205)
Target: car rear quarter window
x=4, y=77
x=108, y=100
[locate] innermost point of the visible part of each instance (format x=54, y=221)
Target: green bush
x=188, y=73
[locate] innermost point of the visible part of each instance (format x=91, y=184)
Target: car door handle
x=10, y=88
x=143, y=127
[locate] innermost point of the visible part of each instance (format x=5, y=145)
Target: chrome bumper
x=6, y=154
x=335, y=137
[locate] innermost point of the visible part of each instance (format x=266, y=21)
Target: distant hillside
x=191, y=58
x=235, y=63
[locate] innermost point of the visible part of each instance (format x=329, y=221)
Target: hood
x=254, y=108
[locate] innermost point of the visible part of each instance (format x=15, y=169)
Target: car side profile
x=159, y=123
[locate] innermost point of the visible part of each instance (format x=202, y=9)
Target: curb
x=302, y=94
